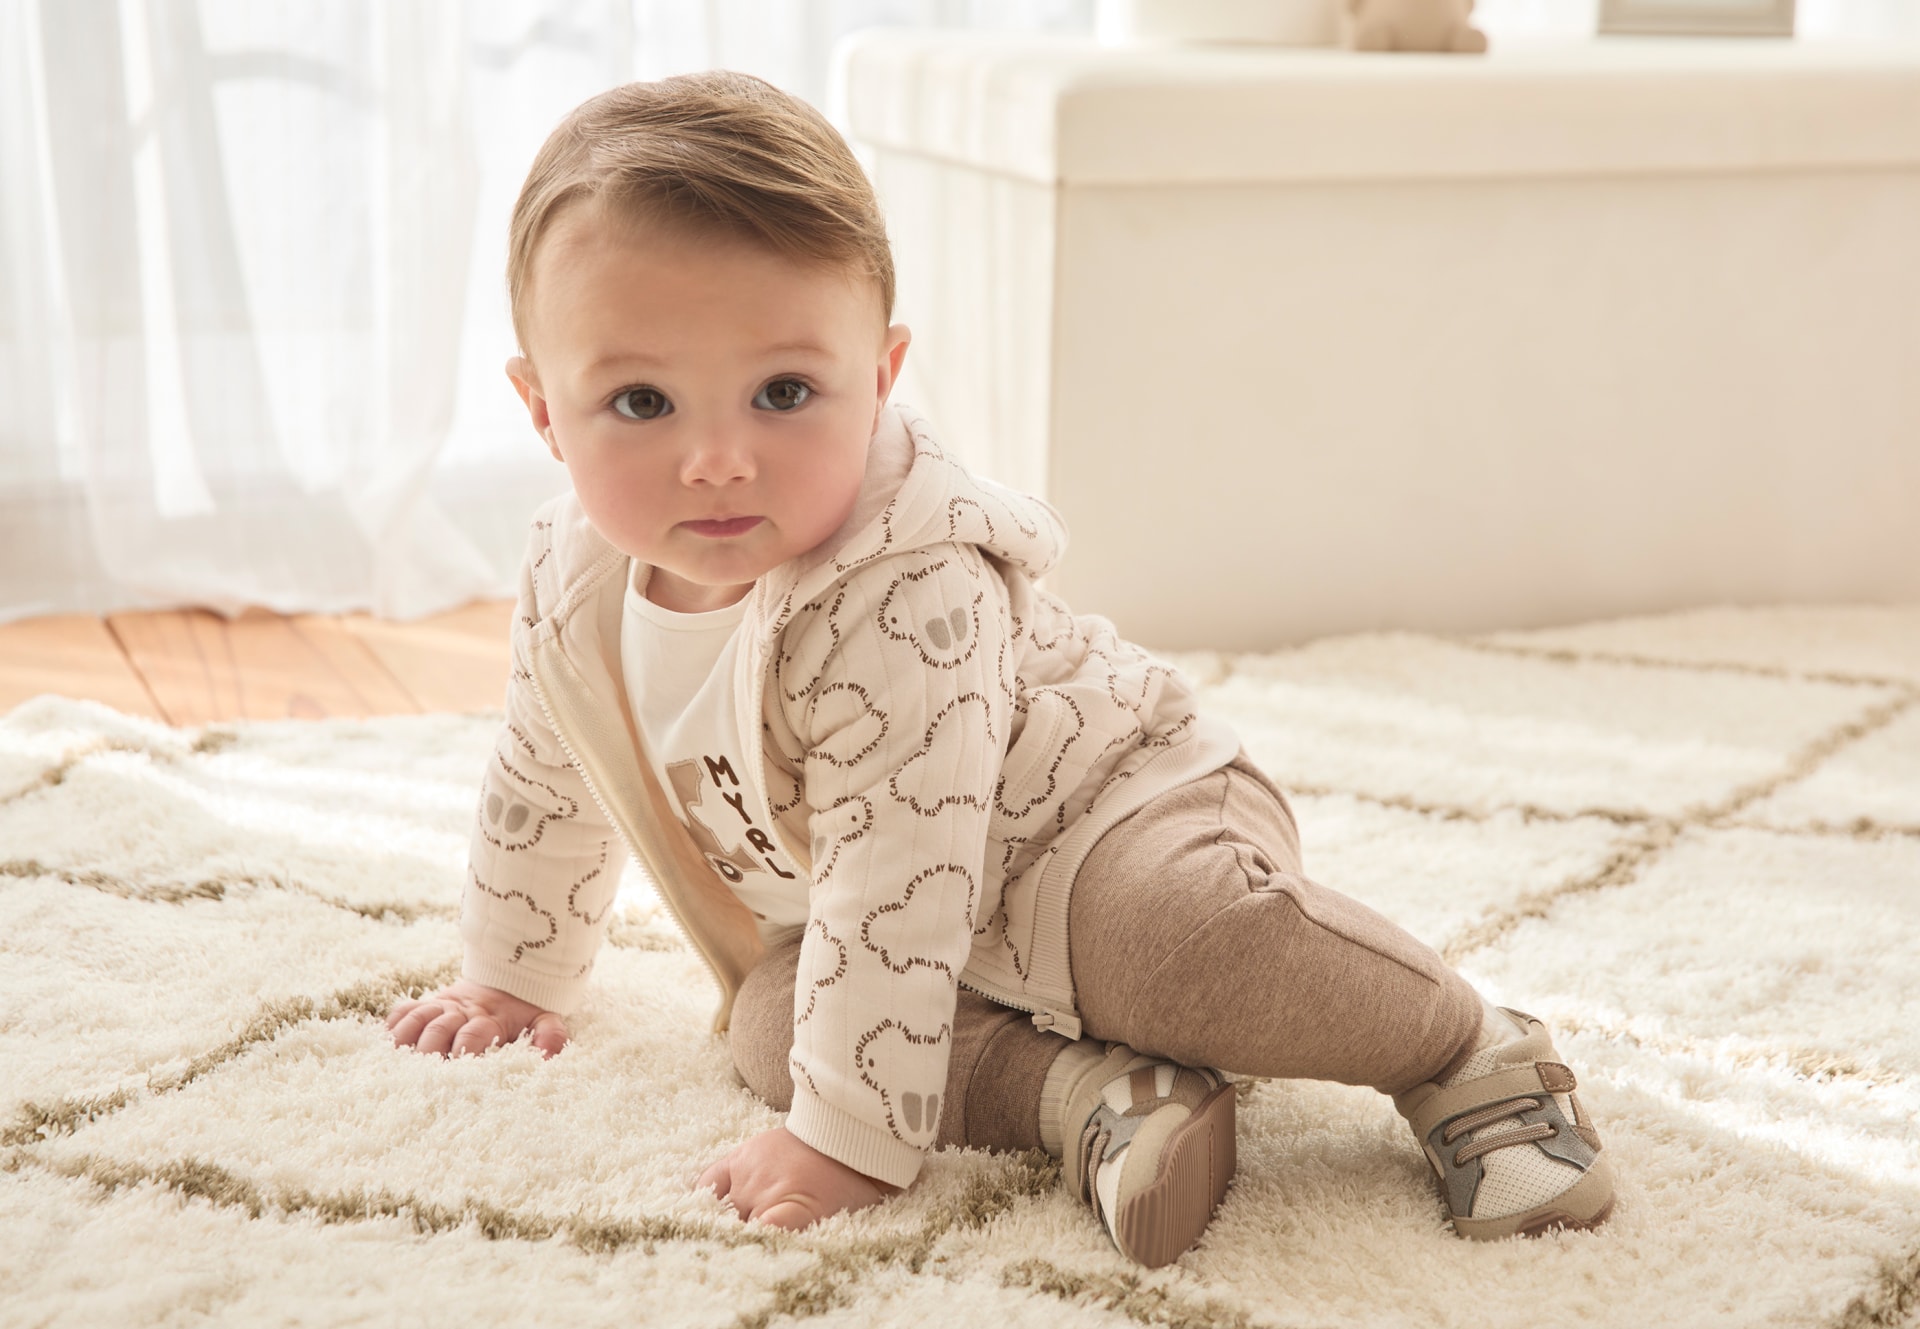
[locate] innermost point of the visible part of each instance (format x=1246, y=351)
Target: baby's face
x=712, y=401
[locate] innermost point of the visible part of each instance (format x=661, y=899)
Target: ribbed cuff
x=862, y=1146
x=559, y=995
x=1074, y=1061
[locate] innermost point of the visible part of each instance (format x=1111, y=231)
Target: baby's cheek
x=628, y=500
x=821, y=501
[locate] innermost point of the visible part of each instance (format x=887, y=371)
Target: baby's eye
x=783, y=394
x=642, y=404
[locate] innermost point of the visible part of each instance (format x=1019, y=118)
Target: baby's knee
x=760, y=1028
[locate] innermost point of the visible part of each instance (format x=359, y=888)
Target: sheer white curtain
x=251, y=315
x=251, y=325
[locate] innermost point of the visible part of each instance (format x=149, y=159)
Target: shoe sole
x=1582, y=1207
x=1161, y=1223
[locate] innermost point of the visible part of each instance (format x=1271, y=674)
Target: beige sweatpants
x=1192, y=936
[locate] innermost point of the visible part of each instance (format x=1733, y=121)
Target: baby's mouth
x=723, y=527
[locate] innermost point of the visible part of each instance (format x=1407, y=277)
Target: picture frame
x=1698, y=18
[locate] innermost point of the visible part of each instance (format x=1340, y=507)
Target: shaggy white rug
x=1691, y=843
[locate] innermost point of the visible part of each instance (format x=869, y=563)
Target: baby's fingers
x=790, y=1214
x=406, y=1022
x=439, y=1034
x=477, y=1035
x=550, y=1033
x=719, y=1179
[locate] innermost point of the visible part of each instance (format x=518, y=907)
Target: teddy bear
x=1413, y=25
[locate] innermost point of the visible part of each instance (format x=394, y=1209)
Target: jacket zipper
x=1047, y=1021
x=593, y=792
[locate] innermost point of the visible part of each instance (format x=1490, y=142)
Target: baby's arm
x=901, y=741
x=471, y=1017
x=539, y=884
x=540, y=879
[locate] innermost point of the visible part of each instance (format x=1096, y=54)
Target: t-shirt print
x=679, y=674
x=735, y=847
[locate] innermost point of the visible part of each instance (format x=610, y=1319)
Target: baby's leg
x=994, y=1076
x=1162, y=1134
x=1195, y=937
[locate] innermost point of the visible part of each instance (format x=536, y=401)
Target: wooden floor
x=190, y=667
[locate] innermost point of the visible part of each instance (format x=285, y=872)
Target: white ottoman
x=1305, y=342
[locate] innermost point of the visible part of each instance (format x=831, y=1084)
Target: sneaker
x=1515, y=1152
x=1149, y=1144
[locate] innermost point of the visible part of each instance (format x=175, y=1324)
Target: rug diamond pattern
x=1692, y=843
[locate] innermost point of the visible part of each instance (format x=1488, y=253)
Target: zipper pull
x=1067, y=1026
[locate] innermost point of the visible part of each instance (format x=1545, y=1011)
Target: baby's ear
x=520, y=371
x=893, y=354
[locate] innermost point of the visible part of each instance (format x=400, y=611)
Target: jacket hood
x=915, y=495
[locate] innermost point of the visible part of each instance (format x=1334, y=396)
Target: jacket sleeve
x=895, y=687
x=542, y=870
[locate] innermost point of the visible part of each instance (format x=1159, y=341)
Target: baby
x=967, y=868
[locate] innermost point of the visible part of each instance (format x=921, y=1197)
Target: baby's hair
x=718, y=153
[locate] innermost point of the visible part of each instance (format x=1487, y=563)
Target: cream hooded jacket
x=940, y=742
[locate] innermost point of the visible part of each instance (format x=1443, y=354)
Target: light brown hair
x=719, y=153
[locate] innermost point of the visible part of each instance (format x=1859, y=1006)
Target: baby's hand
x=472, y=1017
x=783, y=1181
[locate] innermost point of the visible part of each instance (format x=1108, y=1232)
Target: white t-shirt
x=678, y=670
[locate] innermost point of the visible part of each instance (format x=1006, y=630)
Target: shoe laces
x=1486, y=1116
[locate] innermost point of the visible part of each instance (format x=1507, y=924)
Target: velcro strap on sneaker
x=1558, y=1079
x=1514, y=1082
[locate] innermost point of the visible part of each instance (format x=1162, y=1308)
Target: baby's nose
x=718, y=457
